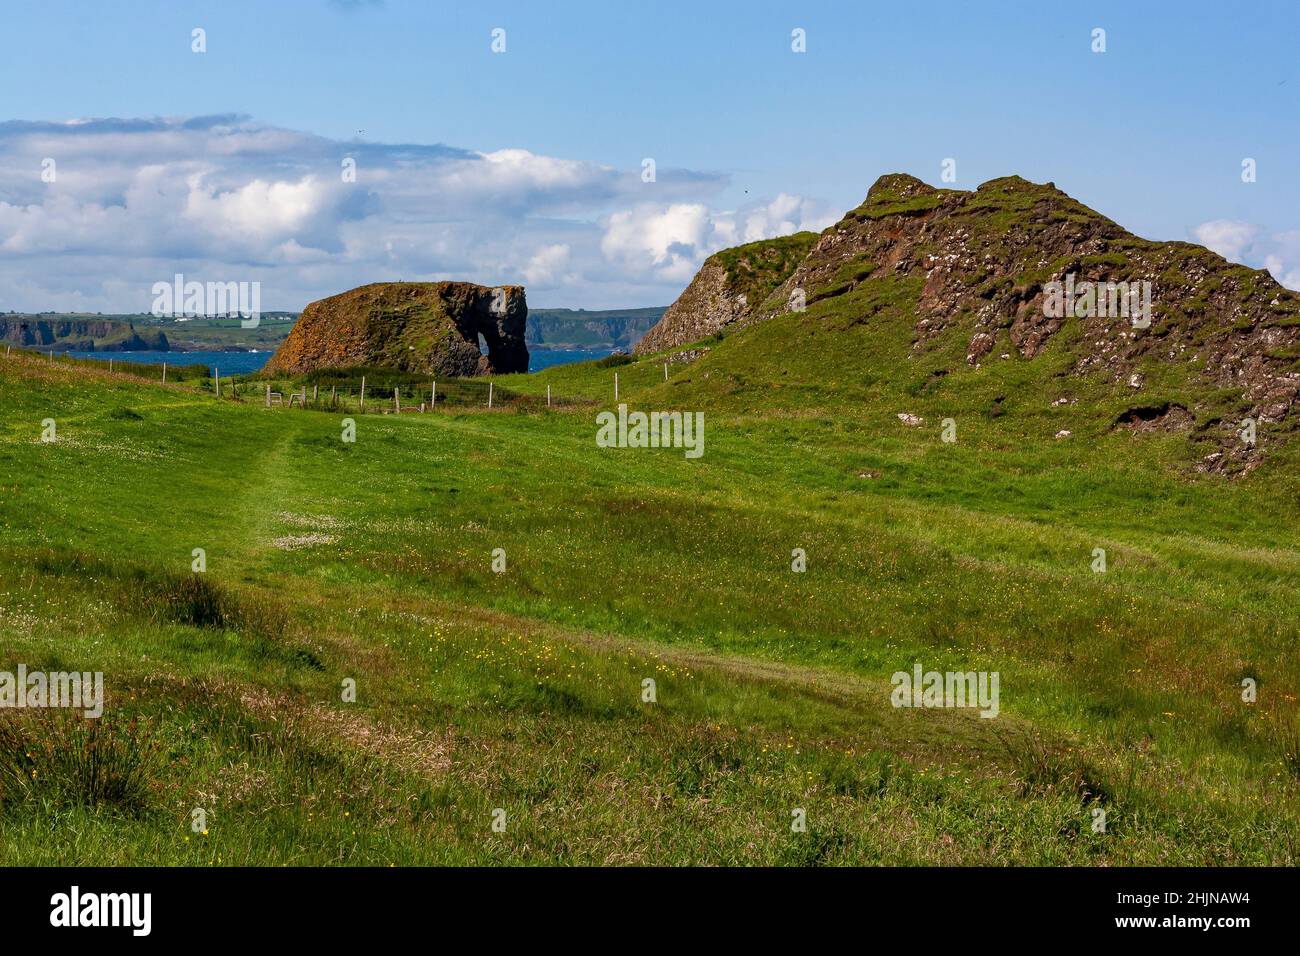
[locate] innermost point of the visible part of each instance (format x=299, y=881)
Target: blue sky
x=525, y=165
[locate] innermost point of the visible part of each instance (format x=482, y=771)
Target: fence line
x=410, y=398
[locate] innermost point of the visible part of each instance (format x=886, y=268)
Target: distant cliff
x=582, y=329
x=432, y=327
x=80, y=335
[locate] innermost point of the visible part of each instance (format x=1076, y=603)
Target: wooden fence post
x=548, y=396
x=164, y=381
x=489, y=394
x=397, y=398
x=216, y=381
x=433, y=395
x=665, y=371
x=363, y=393
x=616, y=386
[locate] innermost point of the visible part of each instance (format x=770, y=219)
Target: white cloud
x=670, y=242
x=1244, y=242
x=227, y=198
x=258, y=209
x=1228, y=237
x=546, y=264
x=784, y=216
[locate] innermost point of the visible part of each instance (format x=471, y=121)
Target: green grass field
x=522, y=691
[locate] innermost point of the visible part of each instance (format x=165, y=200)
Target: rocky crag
x=727, y=290
x=431, y=327
x=983, y=264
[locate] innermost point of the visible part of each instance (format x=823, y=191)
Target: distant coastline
x=573, y=334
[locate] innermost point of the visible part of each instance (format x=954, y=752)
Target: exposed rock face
x=702, y=309
x=431, y=327
x=978, y=266
x=727, y=291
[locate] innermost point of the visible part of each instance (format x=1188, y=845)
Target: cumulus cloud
x=1244, y=242
x=784, y=216
x=1228, y=237
x=667, y=240
x=670, y=242
x=94, y=211
x=546, y=265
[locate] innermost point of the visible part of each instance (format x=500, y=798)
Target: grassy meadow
x=476, y=691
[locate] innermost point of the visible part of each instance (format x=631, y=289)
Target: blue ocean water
x=242, y=363
x=539, y=359
x=228, y=363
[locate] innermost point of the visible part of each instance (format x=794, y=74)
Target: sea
x=244, y=363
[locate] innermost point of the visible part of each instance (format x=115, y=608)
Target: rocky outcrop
x=986, y=267
x=431, y=327
x=727, y=291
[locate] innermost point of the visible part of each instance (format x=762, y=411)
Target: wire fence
x=368, y=390
x=413, y=397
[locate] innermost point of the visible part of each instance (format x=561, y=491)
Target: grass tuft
x=72, y=760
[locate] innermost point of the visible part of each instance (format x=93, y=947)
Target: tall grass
x=69, y=759
x=181, y=371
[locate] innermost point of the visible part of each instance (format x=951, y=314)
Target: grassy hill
x=372, y=561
